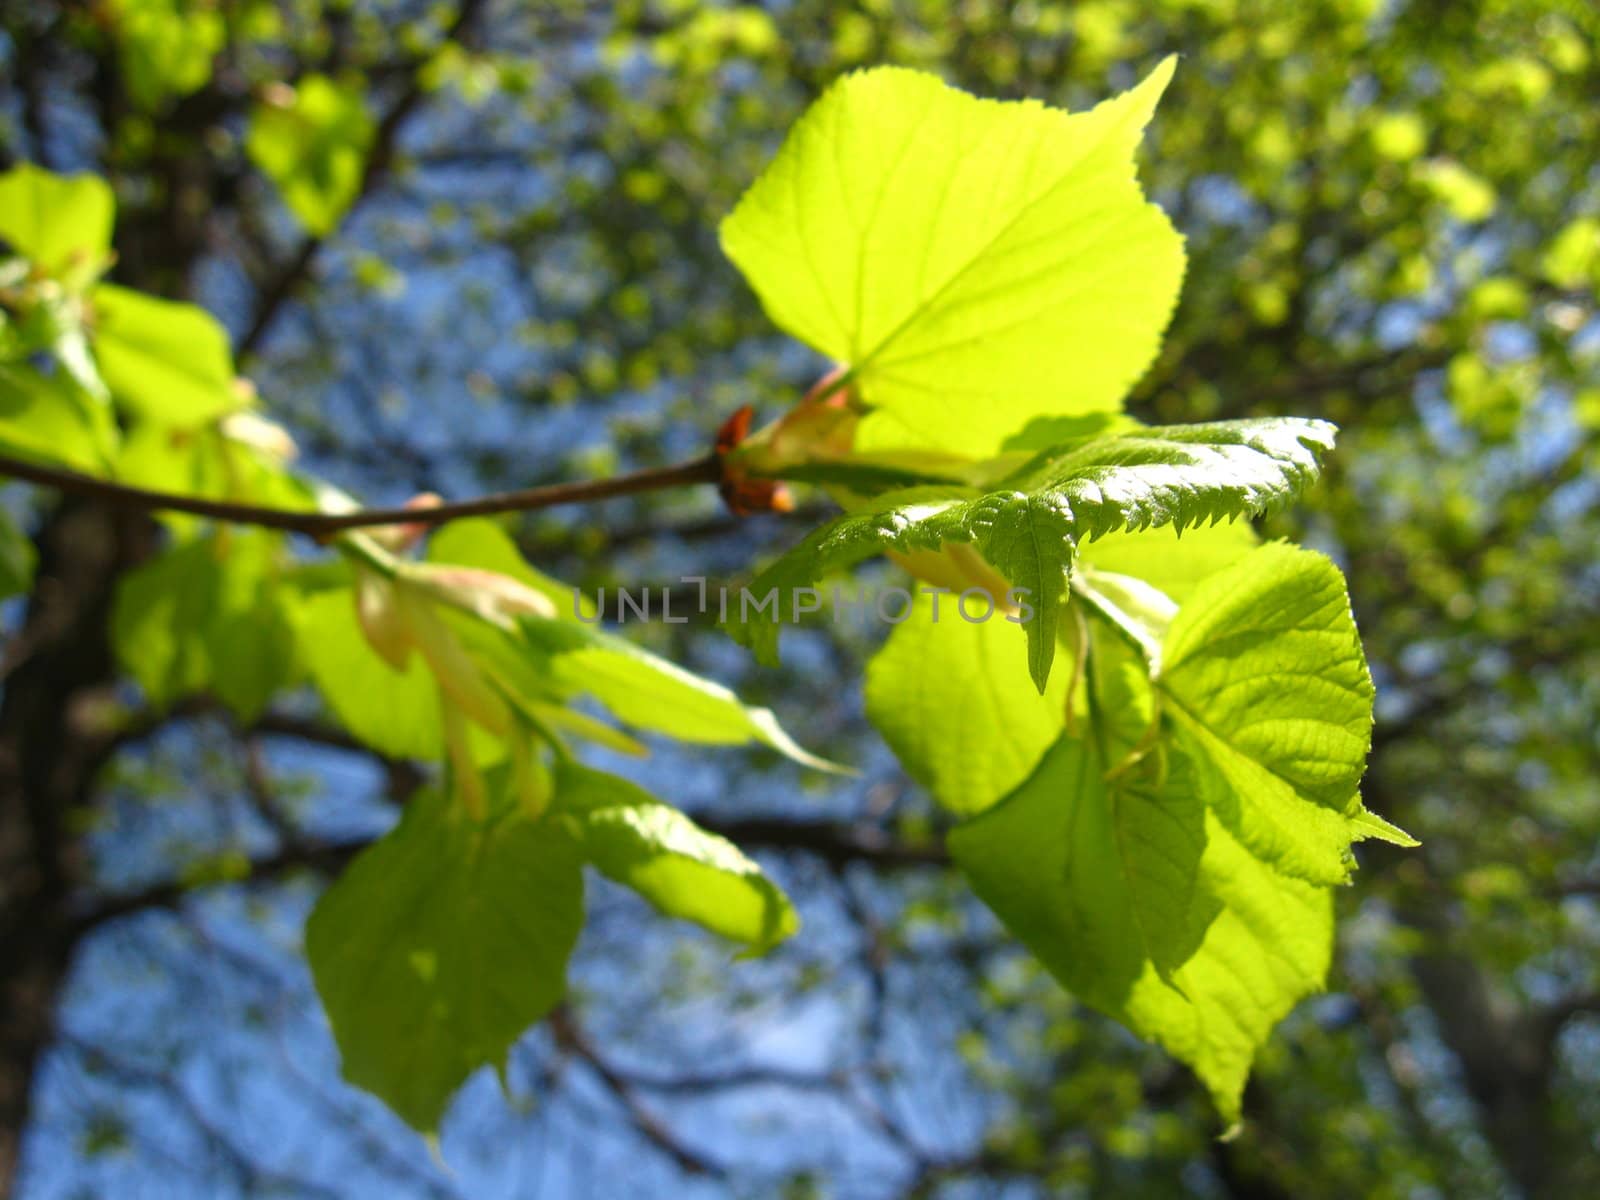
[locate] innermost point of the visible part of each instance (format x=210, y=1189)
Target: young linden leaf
x=650, y=693
x=1263, y=675
x=480, y=542
x=574, y=657
x=974, y=263
x=1028, y=527
x=681, y=869
x=394, y=712
x=945, y=697
x=62, y=223
x=165, y=362
x=441, y=944
x=1142, y=903
x=1137, y=610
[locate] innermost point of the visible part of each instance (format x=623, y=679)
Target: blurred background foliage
x=472, y=244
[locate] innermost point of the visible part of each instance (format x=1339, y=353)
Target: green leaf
x=204, y=617
x=1263, y=674
x=313, y=144
x=1136, y=609
x=680, y=868
x=214, y=461
x=394, y=712
x=975, y=263
x=17, y=558
x=166, y=46
x=62, y=223
x=48, y=418
x=1176, y=562
x=166, y=362
x=1028, y=527
x=639, y=688
x=1368, y=824
x=1141, y=902
x=1573, y=256
x=159, y=610
x=441, y=944
x=946, y=697
x=480, y=542
x=650, y=693
x=1467, y=196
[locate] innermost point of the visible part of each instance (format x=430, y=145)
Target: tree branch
x=276, y=293
x=323, y=858
x=834, y=842
x=322, y=525
x=652, y=1128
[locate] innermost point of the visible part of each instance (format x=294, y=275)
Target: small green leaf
x=1572, y=259
x=684, y=871
x=62, y=223
x=441, y=944
x=165, y=362
x=1135, y=609
x=975, y=263
x=948, y=698
x=1465, y=194
x=313, y=143
x=1369, y=824
x=210, y=462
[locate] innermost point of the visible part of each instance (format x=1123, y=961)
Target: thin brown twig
x=322, y=525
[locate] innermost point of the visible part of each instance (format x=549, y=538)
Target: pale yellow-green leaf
x=976, y=263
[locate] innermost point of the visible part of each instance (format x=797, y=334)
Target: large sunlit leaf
x=1028, y=525
x=1142, y=903
x=683, y=870
x=975, y=263
x=951, y=699
x=1172, y=561
x=441, y=944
